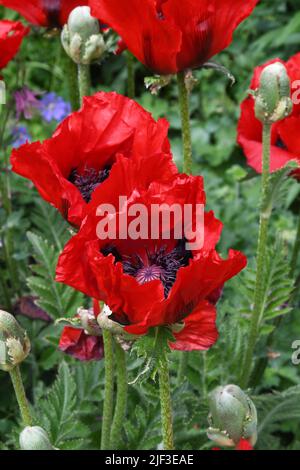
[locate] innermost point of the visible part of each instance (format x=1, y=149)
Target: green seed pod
x=273, y=97
x=14, y=342
x=35, y=438
x=232, y=416
x=81, y=37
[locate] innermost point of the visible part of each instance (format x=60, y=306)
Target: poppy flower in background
x=168, y=36
x=48, y=13
x=11, y=36
x=285, y=144
x=147, y=282
x=81, y=157
x=77, y=343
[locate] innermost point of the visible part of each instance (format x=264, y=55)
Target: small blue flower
x=20, y=136
x=54, y=108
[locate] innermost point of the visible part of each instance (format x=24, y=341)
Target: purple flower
x=54, y=108
x=26, y=103
x=20, y=136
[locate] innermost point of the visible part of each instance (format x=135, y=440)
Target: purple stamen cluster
x=159, y=265
x=88, y=181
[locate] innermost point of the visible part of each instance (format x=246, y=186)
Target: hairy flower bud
x=107, y=324
x=232, y=416
x=35, y=438
x=273, y=97
x=14, y=342
x=81, y=37
x=89, y=322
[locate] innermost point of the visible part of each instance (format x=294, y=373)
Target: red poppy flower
x=81, y=158
x=11, y=36
x=285, y=134
x=50, y=13
x=76, y=343
x=169, y=36
x=158, y=281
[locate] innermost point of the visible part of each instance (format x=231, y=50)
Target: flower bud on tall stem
x=83, y=42
x=272, y=104
x=14, y=348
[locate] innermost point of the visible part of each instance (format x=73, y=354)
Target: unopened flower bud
x=232, y=416
x=35, y=438
x=107, y=324
x=14, y=342
x=89, y=322
x=273, y=97
x=81, y=37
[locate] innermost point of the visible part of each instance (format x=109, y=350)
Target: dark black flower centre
x=159, y=265
x=88, y=181
x=280, y=144
x=52, y=9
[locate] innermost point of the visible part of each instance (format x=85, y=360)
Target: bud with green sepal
x=81, y=37
x=232, y=417
x=35, y=438
x=273, y=97
x=14, y=342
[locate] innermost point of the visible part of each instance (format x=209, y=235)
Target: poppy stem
x=166, y=404
x=261, y=256
x=296, y=250
x=183, y=363
x=108, y=391
x=183, y=95
x=17, y=382
x=84, y=80
x=121, y=399
x=71, y=71
x=130, y=75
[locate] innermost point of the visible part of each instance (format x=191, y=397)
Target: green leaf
x=58, y=300
x=58, y=412
x=152, y=348
x=277, y=287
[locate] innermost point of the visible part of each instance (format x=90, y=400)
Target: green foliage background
x=70, y=406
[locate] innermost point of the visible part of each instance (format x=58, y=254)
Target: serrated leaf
x=58, y=412
x=56, y=299
x=152, y=347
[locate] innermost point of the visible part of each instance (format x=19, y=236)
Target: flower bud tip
x=273, y=97
x=35, y=438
